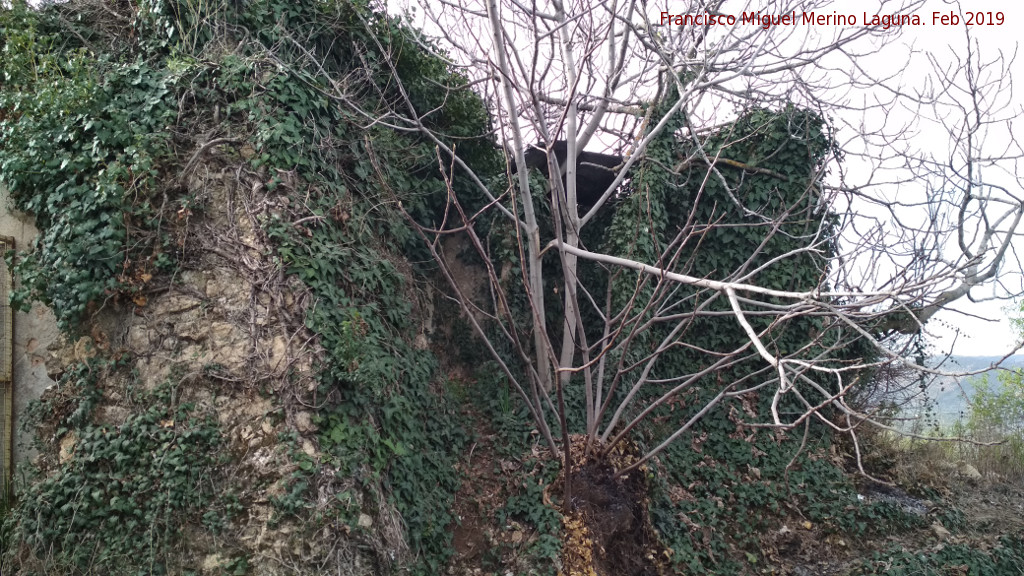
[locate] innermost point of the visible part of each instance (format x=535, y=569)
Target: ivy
x=116, y=505
x=93, y=144
x=86, y=147
x=82, y=141
x=1006, y=558
x=386, y=425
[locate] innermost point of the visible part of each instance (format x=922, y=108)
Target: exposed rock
x=421, y=342
x=196, y=331
x=113, y=415
x=195, y=278
x=278, y=353
x=223, y=331
x=304, y=422
x=940, y=531
x=152, y=372
x=201, y=397
x=969, y=472
x=228, y=346
x=258, y=407
x=308, y=448
x=219, y=315
x=277, y=489
x=213, y=563
x=232, y=291
x=173, y=304
x=195, y=354
x=139, y=338
x=266, y=459
x=84, y=349
x=59, y=356
x=262, y=314
x=67, y=446
x=365, y=521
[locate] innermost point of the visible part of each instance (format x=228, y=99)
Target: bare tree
x=898, y=230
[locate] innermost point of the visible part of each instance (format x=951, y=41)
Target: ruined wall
x=34, y=332
x=225, y=332
x=239, y=419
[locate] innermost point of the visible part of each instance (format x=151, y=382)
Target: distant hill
x=972, y=363
x=950, y=395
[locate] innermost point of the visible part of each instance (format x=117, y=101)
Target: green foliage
x=82, y=139
x=760, y=204
x=85, y=138
x=508, y=417
x=1004, y=559
x=951, y=517
x=116, y=505
x=729, y=483
x=999, y=409
x=384, y=424
x=525, y=487
x=238, y=566
x=996, y=414
x=527, y=505
x=744, y=208
x=295, y=501
x=85, y=147
x=719, y=494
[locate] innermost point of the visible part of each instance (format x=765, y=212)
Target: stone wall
x=34, y=332
x=226, y=331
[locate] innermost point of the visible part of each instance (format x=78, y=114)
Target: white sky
x=972, y=328
x=969, y=329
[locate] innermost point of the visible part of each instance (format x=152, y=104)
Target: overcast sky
x=970, y=329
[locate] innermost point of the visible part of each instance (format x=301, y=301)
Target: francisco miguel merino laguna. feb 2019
x=885, y=21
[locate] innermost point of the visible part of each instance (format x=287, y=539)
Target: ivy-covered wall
x=182, y=138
